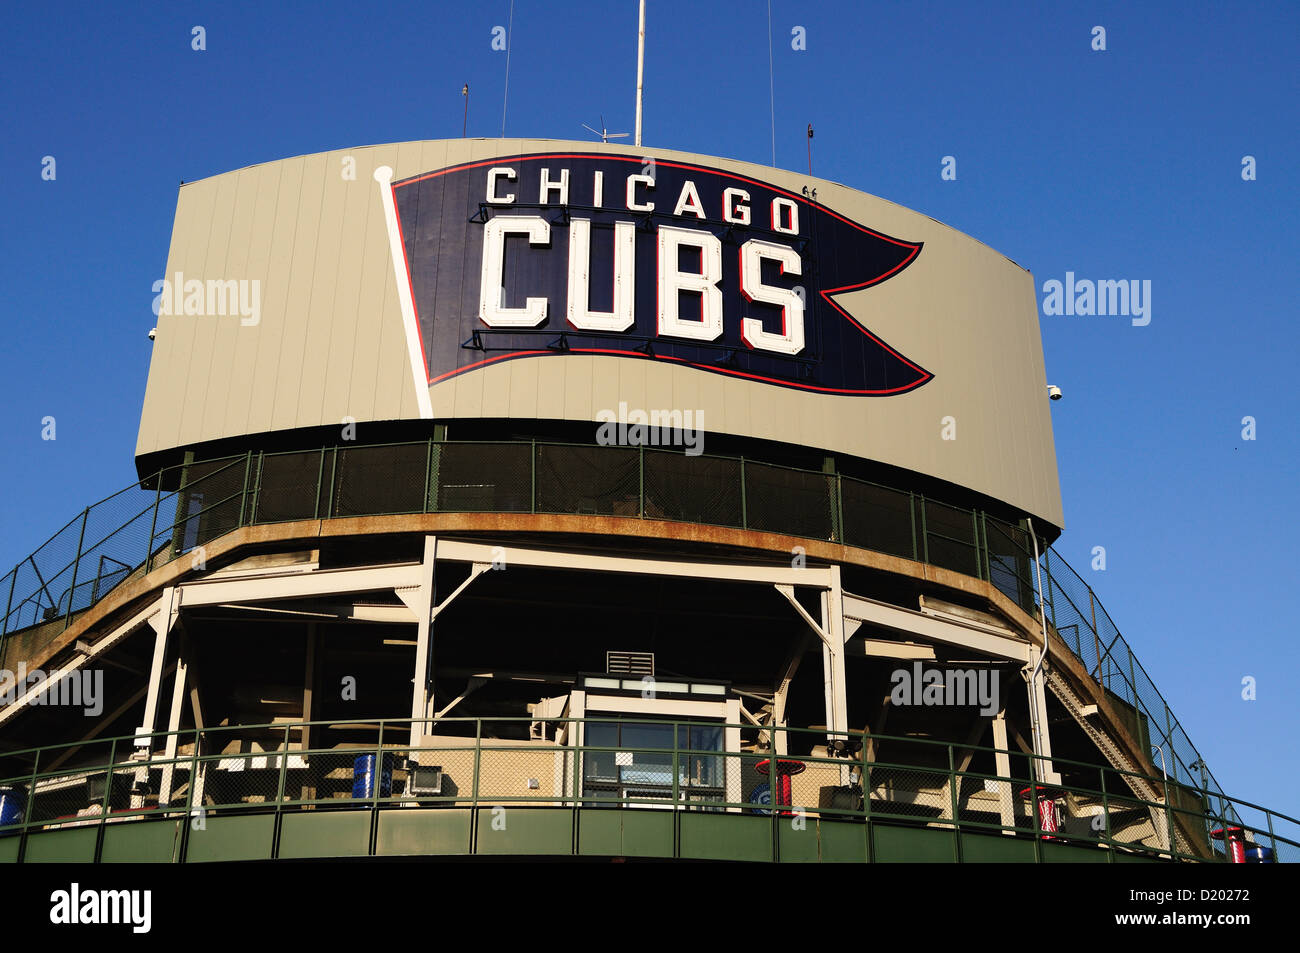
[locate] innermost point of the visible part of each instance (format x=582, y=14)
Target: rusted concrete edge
x=130, y=596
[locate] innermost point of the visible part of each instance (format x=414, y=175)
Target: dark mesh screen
x=598, y=480
x=877, y=518
x=288, y=486
x=789, y=501
x=693, y=489
x=484, y=478
x=950, y=534
x=370, y=481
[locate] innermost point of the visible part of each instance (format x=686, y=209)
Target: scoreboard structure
x=502, y=493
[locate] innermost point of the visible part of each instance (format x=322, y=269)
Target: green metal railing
x=138, y=529
x=497, y=764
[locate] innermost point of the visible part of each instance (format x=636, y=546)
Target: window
x=639, y=765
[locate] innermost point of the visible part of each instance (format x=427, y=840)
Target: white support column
x=173, y=726
x=1002, y=764
x=832, y=600
x=420, y=601
x=1040, y=736
x=577, y=736
x=162, y=625
x=731, y=744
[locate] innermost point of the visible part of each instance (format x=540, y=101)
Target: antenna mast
x=640, y=70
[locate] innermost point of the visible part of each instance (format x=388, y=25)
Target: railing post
x=911, y=515
x=744, y=513
x=1169, y=816
x=9, y=607
x=952, y=787
x=72, y=590
x=320, y=481
x=334, y=469
x=478, y=757
x=428, y=472
x=925, y=535
x=1051, y=596
x=435, y=475
x=107, y=804
x=839, y=509
x=532, y=468
x=1105, y=810
x=30, y=808
x=153, y=526
x=244, y=508
x=641, y=480
x=189, y=799
x=1096, y=637
x=1169, y=731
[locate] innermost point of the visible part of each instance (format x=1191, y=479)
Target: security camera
x=153, y=333
x=1053, y=392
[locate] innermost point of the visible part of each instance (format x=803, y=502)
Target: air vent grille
x=630, y=663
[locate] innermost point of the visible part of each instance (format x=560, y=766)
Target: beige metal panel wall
x=331, y=342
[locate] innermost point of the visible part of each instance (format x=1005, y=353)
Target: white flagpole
x=640, y=70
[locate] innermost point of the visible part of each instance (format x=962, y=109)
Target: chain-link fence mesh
x=288, y=486
x=376, y=481
x=796, y=502
x=876, y=517
x=602, y=481
x=951, y=539
x=484, y=478
x=692, y=489
x=616, y=762
x=140, y=528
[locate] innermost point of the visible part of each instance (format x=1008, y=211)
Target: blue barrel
x=760, y=795
x=12, y=804
x=363, y=777
x=1259, y=855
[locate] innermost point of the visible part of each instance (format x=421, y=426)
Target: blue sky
x=1122, y=164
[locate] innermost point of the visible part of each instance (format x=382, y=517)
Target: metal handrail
x=1188, y=839
x=167, y=526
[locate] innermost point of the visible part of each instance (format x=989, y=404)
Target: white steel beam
x=883, y=648
x=1002, y=764
x=299, y=585
x=95, y=650
x=162, y=625
x=419, y=599
x=837, y=717
x=173, y=726
x=461, y=551
x=474, y=572
x=1039, y=733
x=950, y=631
x=788, y=592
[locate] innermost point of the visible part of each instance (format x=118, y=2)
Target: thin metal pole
x=506, y=96
x=1033, y=676
x=4, y=626
x=464, y=91
x=744, y=516
x=810, y=139
x=771, y=79
x=72, y=591
x=640, y=70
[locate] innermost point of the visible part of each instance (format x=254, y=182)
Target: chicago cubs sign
x=555, y=254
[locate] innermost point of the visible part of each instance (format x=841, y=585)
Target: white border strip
x=384, y=176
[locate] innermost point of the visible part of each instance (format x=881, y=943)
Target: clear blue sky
x=1117, y=164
